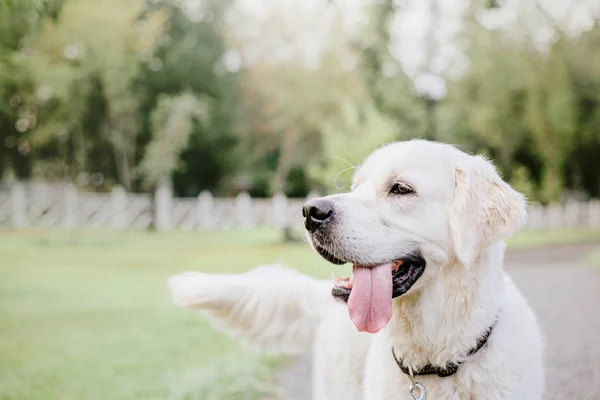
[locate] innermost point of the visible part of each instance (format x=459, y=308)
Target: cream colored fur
x=458, y=220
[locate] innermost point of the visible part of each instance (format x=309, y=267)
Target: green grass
x=594, y=258
x=537, y=239
x=86, y=315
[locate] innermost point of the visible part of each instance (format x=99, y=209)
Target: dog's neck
x=441, y=322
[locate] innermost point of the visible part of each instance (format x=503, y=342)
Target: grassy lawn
x=594, y=258
x=87, y=315
x=537, y=239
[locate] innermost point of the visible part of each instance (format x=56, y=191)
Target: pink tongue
x=370, y=303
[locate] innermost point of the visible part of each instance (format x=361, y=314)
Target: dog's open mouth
x=404, y=274
x=370, y=289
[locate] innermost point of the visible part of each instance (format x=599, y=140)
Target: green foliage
x=348, y=140
x=525, y=107
x=116, y=88
x=550, y=116
x=93, y=96
x=18, y=19
x=74, y=75
x=289, y=123
x=523, y=182
x=391, y=90
x=188, y=58
x=172, y=123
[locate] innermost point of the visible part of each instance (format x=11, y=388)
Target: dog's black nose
x=317, y=212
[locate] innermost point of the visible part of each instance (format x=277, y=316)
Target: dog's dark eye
x=401, y=188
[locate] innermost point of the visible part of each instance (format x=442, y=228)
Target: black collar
x=451, y=367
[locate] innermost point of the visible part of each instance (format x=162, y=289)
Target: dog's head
x=414, y=206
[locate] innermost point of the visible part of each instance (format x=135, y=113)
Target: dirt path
x=565, y=293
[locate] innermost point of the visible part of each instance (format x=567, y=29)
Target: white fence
x=43, y=205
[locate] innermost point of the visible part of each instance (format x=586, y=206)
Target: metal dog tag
x=417, y=391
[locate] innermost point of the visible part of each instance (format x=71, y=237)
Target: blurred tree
x=522, y=103
x=88, y=98
x=550, y=115
x=583, y=63
x=286, y=104
x=172, y=123
x=348, y=139
x=189, y=58
x=285, y=108
x=484, y=109
x=391, y=89
x=18, y=19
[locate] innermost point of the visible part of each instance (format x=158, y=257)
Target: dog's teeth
x=351, y=279
x=397, y=264
x=338, y=281
x=342, y=284
x=336, y=278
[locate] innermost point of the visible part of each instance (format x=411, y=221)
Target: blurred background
x=142, y=138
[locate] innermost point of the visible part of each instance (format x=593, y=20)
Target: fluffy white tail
x=271, y=307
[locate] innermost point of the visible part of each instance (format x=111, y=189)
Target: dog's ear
x=485, y=209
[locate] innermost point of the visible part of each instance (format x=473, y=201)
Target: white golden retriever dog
x=428, y=312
